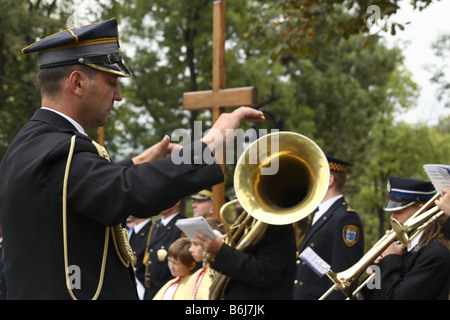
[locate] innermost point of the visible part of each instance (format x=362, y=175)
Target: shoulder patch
x=350, y=235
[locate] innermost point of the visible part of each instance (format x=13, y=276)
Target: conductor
x=76, y=197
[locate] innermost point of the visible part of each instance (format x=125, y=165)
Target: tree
x=440, y=72
x=398, y=149
x=19, y=93
x=288, y=27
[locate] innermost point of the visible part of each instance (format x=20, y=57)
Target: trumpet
x=405, y=232
x=286, y=196
x=410, y=229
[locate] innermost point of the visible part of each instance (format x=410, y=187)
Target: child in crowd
x=201, y=280
x=181, y=265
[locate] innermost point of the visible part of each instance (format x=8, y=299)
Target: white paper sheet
x=316, y=263
x=439, y=175
x=191, y=225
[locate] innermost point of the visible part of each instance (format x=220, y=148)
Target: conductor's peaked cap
x=95, y=45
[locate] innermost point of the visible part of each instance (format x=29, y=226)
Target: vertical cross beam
x=219, y=98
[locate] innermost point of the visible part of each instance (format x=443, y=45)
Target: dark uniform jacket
x=100, y=193
x=264, y=273
x=2, y=274
x=422, y=274
x=157, y=272
x=138, y=241
x=337, y=237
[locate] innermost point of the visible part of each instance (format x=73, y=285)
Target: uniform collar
x=324, y=206
x=414, y=244
x=73, y=122
x=165, y=221
x=137, y=227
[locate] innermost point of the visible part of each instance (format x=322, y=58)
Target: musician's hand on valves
x=444, y=202
x=209, y=245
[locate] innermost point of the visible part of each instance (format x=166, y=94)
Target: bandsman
x=335, y=234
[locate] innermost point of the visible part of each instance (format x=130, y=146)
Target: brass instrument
x=411, y=228
x=284, y=195
x=345, y=280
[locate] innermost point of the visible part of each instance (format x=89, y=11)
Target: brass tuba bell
x=279, y=179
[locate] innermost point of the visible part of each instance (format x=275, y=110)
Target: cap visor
x=199, y=197
x=116, y=68
x=394, y=204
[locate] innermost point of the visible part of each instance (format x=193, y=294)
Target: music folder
x=439, y=175
x=196, y=224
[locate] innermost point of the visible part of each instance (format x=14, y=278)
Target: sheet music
x=316, y=263
x=439, y=175
x=191, y=225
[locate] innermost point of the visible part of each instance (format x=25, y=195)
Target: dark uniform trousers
x=100, y=194
x=158, y=273
x=329, y=238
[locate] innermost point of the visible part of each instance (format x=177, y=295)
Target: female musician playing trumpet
x=421, y=270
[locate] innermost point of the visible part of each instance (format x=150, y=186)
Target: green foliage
x=289, y=27
x=21, y=23
x=441, y=48
x=316, y=65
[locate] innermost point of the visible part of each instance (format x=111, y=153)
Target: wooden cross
x=218, y=98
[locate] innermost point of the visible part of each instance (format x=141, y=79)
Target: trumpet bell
x=281, y=178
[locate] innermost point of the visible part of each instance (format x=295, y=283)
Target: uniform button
x=300, y=283
x=295, y=281
x=297, y=261
x=312, y=245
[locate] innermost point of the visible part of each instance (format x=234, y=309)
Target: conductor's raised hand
x=223, y=130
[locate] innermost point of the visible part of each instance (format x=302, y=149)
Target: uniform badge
x=350, y=234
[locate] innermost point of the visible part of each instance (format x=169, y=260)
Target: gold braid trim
x=122, y=245
x=66, y=256
x=119, y=234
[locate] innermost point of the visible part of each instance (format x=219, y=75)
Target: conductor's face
x=98, y=103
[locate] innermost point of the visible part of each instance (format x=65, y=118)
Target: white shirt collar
x=138, y=226
x=324, y=206
x=75, y=124
x=166, y=220
x=414, y=244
